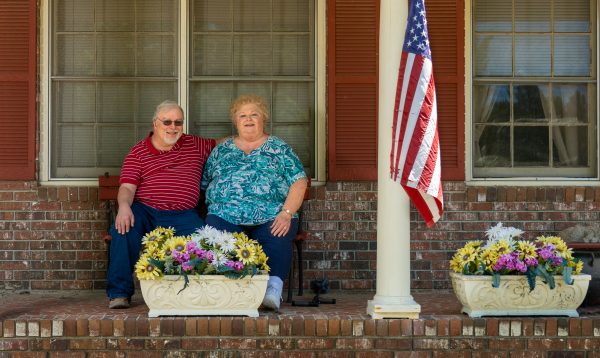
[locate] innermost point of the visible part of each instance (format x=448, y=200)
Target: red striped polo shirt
x=167, y=180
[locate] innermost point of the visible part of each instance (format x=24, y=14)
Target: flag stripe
x=415, y=160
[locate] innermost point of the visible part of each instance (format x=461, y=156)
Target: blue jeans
x=278, y=249
x=125, y=249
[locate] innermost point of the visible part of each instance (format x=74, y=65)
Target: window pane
x=532, y=16
x=156, y=15
x=252, y=15
x=212, y=55
x=212, y=15
x=492, y=146
x=155, y=55
x=115, y=15
x=291, y=55
x=531, y=146
x=572, y=55
x=116, y=55
x=493, y=15
x=252, y=55
x=570, y=146
x=114, y=102
x=74, y=15
x=74, y=101
x=114, y=142
x=291, y=15
x=74, y=55
x=570, y=103
x=76, y=146
x=493, y=55
x=491, y=104
x=532, y=55
x=572, y=16
x=531, y=103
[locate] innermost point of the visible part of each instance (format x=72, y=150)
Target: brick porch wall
x=301, y=337
x=51, y=237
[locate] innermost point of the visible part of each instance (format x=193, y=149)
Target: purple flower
x=530, y=261
x=546, y=252
x=236, y=265
x=510, y=262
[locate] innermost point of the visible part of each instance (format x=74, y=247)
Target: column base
x=384, y=307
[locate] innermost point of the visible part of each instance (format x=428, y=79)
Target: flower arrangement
x=504, y=253
x=208, y=251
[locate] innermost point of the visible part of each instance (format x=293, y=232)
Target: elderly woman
x=255, y=183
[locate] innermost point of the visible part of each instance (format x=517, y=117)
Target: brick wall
x=51, y=237
x=301, y=337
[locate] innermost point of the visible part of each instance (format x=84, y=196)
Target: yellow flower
x=155, y=238
x=155, y=252
x=176, y=244
x=526, y=250
x=456, y=263
x=246, y=253
x=476, y=244
x=241, y=238
x=145, y=270
x=577, y=266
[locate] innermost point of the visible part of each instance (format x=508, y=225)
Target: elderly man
x=159, y=186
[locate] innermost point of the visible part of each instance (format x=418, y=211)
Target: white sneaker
x=272, y=298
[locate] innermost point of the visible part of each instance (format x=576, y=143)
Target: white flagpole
x=392, y=298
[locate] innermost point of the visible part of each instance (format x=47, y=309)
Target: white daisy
x=219, y=258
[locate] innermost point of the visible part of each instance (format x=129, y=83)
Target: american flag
x=415, y=156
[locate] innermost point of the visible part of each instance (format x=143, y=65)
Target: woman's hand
x=281, y=224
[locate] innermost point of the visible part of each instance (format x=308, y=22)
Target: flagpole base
x=400, y=307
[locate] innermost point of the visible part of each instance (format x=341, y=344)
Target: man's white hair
x=165, y=106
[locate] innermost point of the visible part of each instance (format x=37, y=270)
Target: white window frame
x=44, y=146
x=518, y=181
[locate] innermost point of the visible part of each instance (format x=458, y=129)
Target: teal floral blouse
x=250, y=189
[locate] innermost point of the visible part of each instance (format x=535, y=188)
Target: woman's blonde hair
x=244, y=99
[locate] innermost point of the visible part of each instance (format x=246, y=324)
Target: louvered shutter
x=352, y=35
x=17, y=89
x=446, y=34
x=353, y=28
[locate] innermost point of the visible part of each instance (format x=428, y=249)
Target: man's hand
x=125, y=220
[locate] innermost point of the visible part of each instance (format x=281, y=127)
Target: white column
x=392, y=298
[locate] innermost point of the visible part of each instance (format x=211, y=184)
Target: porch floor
x=63, y=305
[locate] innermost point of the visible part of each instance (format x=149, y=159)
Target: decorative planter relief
x=207, y=295
x=514, y=298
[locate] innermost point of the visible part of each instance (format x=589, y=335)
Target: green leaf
x=567, y=272
x=496, y=279
x=186, y=281
x=157, y=263
x=549, y=279
x=531, y=275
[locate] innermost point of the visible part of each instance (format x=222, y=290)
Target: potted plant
x=507, y=275
x=210, y=272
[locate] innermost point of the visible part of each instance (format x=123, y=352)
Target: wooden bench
x=108, y=188
x=589, y=253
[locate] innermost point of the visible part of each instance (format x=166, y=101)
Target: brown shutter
x=352, y=40
x=17, y=89
x=446, y=34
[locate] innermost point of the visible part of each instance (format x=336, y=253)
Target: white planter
x=208, y=295
x=513, y=297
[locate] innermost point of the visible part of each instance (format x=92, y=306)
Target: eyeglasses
x=168, y=122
